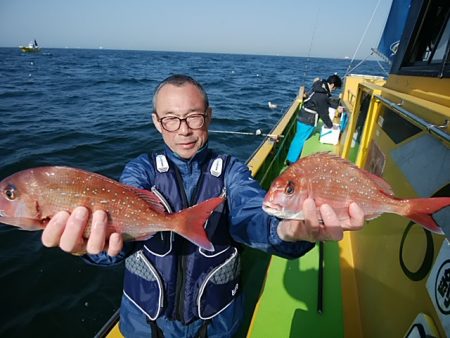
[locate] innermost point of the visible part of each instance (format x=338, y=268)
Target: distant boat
x=32, y=47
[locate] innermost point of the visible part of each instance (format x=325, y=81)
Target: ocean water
x=91, y=109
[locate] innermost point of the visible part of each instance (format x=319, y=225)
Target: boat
x=32, y=47
x=391, y=279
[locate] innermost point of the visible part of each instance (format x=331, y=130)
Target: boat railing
x=268, y=159
x=433, y=129
x=109, y=325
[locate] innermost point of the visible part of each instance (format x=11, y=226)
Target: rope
x=359, y=64
x=381, y=66
x=257, y=132
x=363, y=36
x=386, y=73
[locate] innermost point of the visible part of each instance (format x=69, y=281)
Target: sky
x=307, y=28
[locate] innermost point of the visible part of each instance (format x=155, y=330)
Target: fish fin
x=380, y=182
x=427, y=222
x=421, y=209
x=322, y=155
x=127, y=237
x=151, y=198
x=191, y=222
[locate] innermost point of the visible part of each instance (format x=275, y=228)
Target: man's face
x=183, y=101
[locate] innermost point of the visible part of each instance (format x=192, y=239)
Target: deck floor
x=288, y=305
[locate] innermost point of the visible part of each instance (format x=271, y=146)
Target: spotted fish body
x=329, y=179
x=30, y=198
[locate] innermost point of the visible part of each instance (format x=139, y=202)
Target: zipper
x=181, y=265
x=182, y=262
x=181, y=282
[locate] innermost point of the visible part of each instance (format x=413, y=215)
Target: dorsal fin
x=379, y=181
x=151, y=198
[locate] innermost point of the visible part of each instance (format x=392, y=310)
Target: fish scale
x=28, y=199
x=332, y=180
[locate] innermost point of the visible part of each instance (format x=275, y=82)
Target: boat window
x=429, y=34
x=396, y=127
x=429, y=46
x=442, y=47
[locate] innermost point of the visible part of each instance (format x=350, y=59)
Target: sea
x=91, y=109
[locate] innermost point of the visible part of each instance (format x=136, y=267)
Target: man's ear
x=156, y=122
x=209, y=114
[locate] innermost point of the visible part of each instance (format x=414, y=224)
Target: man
x=171, y=287
x=315, y=106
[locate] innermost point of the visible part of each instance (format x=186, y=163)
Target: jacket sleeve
x=138, y=173
x=249, y=224
x=323, y=104
x=333, y=102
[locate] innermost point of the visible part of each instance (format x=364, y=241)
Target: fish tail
x=421, y=209
x=191, y=222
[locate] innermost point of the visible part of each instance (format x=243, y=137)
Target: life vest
x=170, y=276
x=307, y=115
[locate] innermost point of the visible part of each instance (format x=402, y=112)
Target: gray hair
x=179, y=80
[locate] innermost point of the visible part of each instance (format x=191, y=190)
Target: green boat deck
x=288, y=306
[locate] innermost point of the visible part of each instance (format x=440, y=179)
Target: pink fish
x=329, y=179
x=30, y=198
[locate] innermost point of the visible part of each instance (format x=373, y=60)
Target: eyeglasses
x=173, y=123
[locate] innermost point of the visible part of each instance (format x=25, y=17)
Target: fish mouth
x=271, y=208
x=2, y=213
x=267, y=204
x=281, y=212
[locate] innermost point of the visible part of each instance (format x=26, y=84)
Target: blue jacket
x=248, y=224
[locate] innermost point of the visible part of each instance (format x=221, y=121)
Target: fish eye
x=10, y=193
x=290, y=188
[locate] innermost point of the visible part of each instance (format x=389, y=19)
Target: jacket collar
x=200, y=157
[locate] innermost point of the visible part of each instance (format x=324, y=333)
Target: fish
x=31, y=197
x=330, y=179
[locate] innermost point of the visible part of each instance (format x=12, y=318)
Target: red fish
x=330, y=179
x=30, y=198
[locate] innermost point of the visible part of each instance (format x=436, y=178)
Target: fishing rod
x=258, y=132
x=311, y=43
x=320, y=280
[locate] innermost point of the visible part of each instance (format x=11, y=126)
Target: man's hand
x=66, y=231
x=312, y=230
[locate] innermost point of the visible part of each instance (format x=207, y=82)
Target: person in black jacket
x=315, y=106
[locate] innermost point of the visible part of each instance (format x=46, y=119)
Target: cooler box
x=330, y=135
